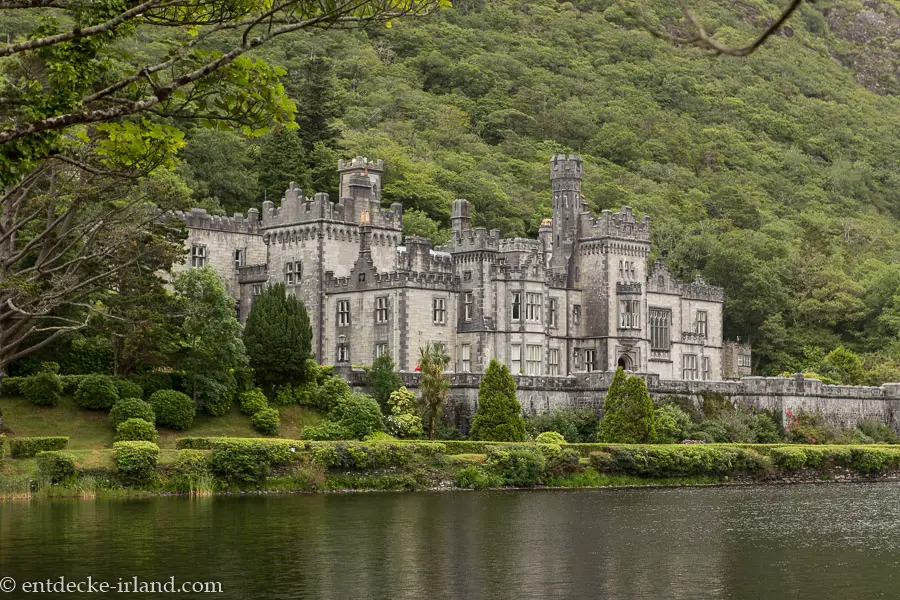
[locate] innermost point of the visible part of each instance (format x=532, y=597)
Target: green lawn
x=90, y=430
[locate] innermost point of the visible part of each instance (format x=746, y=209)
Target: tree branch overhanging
x=701, y=38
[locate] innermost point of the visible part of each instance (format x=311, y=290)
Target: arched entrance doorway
x=625, y=362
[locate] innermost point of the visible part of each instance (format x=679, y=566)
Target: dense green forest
x=775, y=175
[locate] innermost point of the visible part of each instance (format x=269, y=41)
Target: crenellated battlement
x=295, y=208
x=700, y=290
x=393, y=279
x=565, y=172
x=521, y=245
x=470, y=240
x=621, y=225
x=661, y=281
x=360, y=162
x=198, y=218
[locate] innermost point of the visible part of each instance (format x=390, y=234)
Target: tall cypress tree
x=499, y=414
x=627, y=412
x=278, y=338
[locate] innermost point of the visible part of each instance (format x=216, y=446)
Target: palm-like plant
x=435, y=385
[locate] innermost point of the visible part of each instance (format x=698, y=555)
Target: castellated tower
x=565, y=181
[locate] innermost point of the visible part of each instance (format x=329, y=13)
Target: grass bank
x=208, y=465
x=90, y=429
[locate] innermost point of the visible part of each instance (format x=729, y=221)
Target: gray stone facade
x=581, y=298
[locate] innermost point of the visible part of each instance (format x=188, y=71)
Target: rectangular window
x=553, y=361
x=239, y=254
x=629, y=315
x=465, y=358
x=701, y=323
x=289, y=273
x=533, y=359
x=381, y=309
x=439, y=311
x=256, y=290
x=468, y=306
x=689, y=367
x=707, y=369
x=516, y=306
x=343, y=313
x=343, y=353
x=589, y=364
x=198, y=256
x=467, y=275
x=660, y=322
x=533, y=307
x=576, y=314
x=743, y=360
x=552, y=313
x=381, y=348
x=515, y=358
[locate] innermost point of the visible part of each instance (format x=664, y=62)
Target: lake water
x=809, y=541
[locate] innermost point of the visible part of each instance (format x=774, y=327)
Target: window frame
x=381, y=348
x=515, y=358
x=468, y=306
x=553, y=361
x=590, y=360
x=660, y=329
x=382, y=310
x=439, y=310
x=343, y=313
x=199, y=256
x=533, y=303
x=465, y=358
x=515, y=311
x=553, y=312
x=702, y=323
x=533, y=359
x=689, y=367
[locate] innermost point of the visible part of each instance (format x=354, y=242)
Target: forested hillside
x=775, y=175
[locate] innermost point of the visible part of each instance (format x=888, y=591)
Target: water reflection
x=835, y=541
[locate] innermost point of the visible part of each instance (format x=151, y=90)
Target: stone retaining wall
x=843, y=406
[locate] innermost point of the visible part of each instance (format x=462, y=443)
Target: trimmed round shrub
x=326, y=430
x=136, y=461
x=58, y=467
x=133, y=430
x=550, y=437
x=96, y=392
x=253, y=401
x=43, y=389
x=173, y=409
x=267, y=420
x=357, y=414
x=129, y=389
x=131, y=408
x=49, y=367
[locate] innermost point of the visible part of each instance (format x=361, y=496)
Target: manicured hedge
x=132, y=430
x=370, y=455
x=30, y=446
x=70, y=383
x=2, y=449
x=96, y=392
x=11, y=386
x=128, y=388
x=266, y=420
x=253, y=401
x=136, y=461
x=173, y=409
x=131, y=408
x=248, y=461
x=42, y=389
x=58, y=467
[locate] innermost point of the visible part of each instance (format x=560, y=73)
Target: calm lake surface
x=807, y=541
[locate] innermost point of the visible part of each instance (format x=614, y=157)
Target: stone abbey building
x=580, y=298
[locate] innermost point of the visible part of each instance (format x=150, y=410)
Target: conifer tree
x=499, y=415
x=627, y=412
x=278, y=338
x=383, y=380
